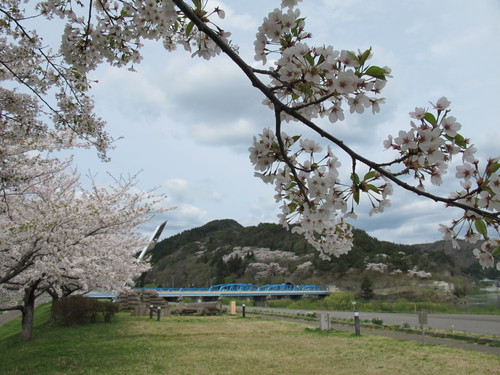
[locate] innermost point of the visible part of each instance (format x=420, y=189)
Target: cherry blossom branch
x=12, y=308
x=42, y=53
x=284, y=154
x=279, y=106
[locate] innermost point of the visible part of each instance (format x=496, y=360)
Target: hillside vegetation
x=224, y=251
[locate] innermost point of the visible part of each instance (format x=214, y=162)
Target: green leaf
x=492, y=168
x=369, y=175
x=364, y=56
x=197, y=4
x=296, y=138
x=373, y=188
x=376, y=72
x=481, y=227
x=430, y=118
x=496, y=251
x=123, y=13
x=309, y=59
x=189, y=28
x=355, y=178
x=355, y=194
x=460, y=141
x=76, y=74
x=353, y=56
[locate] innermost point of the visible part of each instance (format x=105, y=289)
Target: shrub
x=377, y=321
x=73, y=310
x=76, y=310
x=108, y=309
x=340, y=301
x=403, y=305
x=366, y=289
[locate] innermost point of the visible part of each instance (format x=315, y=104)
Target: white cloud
x=181, y=191
x=237, y=134
x=235, y=20
x=185, y=216
x=410, y=219
x=188, y=122
x=144, y=98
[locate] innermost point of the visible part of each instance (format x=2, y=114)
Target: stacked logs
x=139, y=302
x=201, y=308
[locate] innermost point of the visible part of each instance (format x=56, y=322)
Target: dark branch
x=279, y=106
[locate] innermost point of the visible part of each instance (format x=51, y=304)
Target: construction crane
x=152, y=242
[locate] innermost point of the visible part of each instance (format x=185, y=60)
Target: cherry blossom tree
x=57, y=236
x=301, y=83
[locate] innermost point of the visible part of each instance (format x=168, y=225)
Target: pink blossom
x=441, y=104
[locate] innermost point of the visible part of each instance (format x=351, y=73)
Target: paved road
x=398, y=335
x=7, y=316
x=470, y=323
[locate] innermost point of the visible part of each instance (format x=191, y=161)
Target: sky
x=187, y=123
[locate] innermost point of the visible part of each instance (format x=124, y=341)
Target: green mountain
x=224, y=251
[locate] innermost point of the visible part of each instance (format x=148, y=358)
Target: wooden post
x=357, y=323
x=159, y=313
x=324, y=322
x=422, y=319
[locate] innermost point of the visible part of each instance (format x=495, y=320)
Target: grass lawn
x=221, y=345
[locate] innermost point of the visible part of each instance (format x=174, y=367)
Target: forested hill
x=225, y=251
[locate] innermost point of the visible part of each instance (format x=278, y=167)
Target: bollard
x=243, y=310
x=422, y=319
x=159, y=313
x=232, y=307
x=357, y=323
x=150, y=311
x=324, y=322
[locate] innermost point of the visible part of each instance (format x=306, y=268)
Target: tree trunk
x=55, y=298
x=28, y=313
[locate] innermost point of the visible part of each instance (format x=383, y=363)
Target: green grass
x=400, y=306
x=221, y=345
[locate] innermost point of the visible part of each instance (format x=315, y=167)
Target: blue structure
x=247, y=288
x=233, y=287
x=258, y=293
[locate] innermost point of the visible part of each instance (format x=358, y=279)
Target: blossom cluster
x=427, y=150
x=419, y=274
x=305, y=266
x=263, y=254
x=95, y=32
x=383, y=267
x=316, y=81
x=264, y=270
x=378, y=267
x=306, y=180
x=119, y=28
x=55, y=91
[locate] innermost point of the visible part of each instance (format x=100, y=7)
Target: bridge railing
x=238, y=287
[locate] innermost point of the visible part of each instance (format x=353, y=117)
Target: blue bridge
x=258, y=293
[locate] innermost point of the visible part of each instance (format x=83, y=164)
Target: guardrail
x=236, y=287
